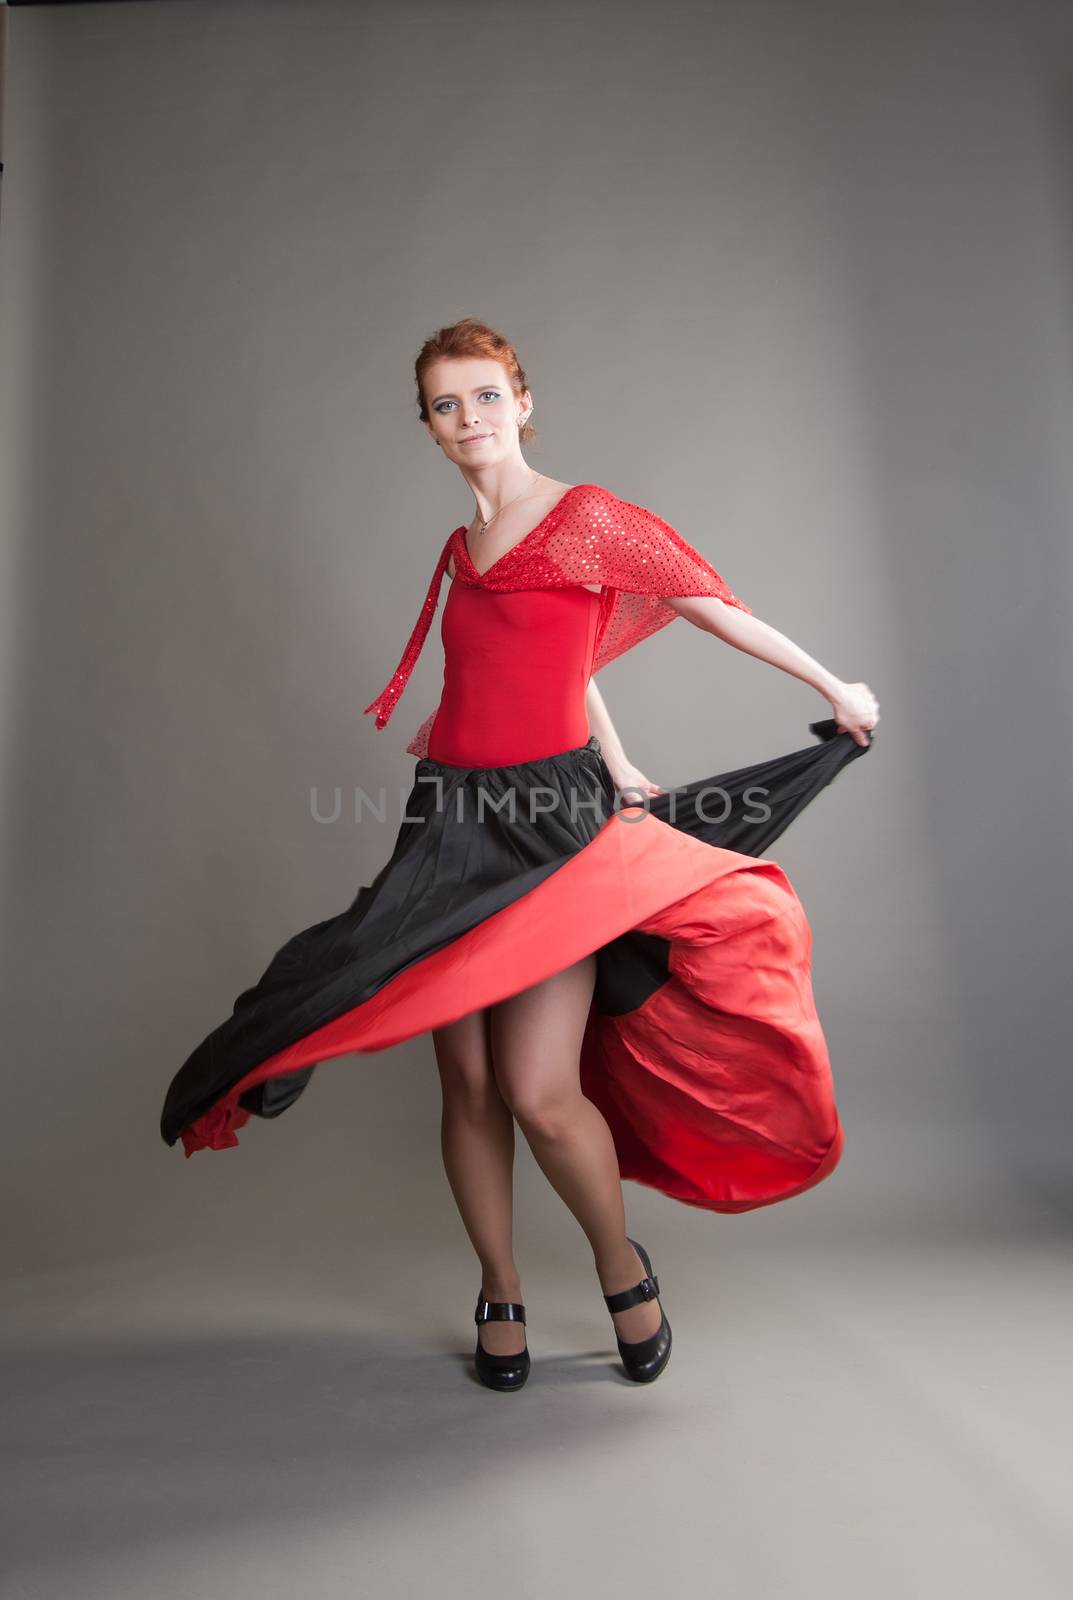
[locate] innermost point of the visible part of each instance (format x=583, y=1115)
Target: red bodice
x=589, y=536
x=516, y=667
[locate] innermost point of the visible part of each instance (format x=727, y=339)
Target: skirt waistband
x=591, y=746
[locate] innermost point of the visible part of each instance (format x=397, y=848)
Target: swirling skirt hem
x=717, y=1087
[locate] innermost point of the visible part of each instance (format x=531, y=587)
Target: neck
x=493, y=488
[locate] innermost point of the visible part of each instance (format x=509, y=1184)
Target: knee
x=545, y=1115
x=469, y=1091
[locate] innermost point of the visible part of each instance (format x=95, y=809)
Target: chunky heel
x=500, y=1371
x=643, y=1359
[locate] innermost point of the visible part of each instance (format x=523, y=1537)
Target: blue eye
x=440, y=406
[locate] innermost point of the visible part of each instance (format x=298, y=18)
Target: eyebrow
x=478, y=388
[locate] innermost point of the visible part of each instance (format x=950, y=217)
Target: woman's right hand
x=626, y=776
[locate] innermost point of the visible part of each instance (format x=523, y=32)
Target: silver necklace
x=487, y=524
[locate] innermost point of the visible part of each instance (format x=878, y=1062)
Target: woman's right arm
x=624, y=773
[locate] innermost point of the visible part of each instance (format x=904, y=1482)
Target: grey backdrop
x=797, y=277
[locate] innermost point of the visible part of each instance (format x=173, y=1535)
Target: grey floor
x=865, y=1399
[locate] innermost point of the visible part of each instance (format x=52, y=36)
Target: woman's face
x=470, y=398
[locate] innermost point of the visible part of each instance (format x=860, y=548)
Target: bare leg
x=477, y=1141
x=536, y=1050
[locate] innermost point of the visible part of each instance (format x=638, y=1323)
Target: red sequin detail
x=589, y=536
x=388, y=698
x=418, y=745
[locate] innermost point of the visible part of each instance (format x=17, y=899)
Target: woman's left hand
x=627, y=776
x=856, y=710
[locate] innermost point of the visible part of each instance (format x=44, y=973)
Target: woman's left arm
x=855, y=707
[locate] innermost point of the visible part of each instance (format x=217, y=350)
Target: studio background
x=796, y=277
x=801, y=288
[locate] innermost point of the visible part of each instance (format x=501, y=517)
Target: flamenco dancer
x=607, y=963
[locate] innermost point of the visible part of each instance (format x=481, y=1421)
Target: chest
x=593, y=588
x=519, y=630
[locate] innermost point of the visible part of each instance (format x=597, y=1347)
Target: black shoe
x=498, y=1371
x=643, y=1359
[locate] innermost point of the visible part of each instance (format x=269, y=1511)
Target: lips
x=476, y=438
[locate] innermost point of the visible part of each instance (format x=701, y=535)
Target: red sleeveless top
x=516, y=667
x=498, y=669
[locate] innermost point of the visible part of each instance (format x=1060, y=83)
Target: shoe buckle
x=648, y=1288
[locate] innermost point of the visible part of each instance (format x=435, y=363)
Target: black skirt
x=702, y=1049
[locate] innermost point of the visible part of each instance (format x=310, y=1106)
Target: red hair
x=471, y=338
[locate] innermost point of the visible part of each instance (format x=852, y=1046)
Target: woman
x=627, y=982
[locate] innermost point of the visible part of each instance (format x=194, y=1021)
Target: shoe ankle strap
x=498, y=1311
x=647, y=1289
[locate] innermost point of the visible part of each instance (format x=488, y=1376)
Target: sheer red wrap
x=589, y=536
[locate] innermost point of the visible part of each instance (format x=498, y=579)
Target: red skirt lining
x=717, y=1089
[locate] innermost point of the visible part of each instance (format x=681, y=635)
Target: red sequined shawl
x=589, y=536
